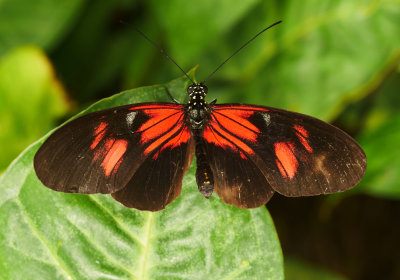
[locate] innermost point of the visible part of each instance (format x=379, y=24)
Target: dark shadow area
x=356, y=236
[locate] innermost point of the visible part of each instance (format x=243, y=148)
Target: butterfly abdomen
x=204, y=174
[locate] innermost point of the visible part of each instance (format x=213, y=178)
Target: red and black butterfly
x=140, y=152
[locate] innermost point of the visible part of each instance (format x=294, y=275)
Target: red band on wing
x=216, y=139
x=99, y=134
x=112, y=160
x=302, y=134
x=102, y=151
x=301, y=130
x=164, y=122
x=160, y=121
x=236, y=122
x=286, y=162
x=182, y=137
x=160, y=140
x=224, y=139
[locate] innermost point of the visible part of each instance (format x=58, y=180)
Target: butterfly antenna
x=156, y=45
x=238, y=50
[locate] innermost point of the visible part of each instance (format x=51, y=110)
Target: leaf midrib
x=147, y=244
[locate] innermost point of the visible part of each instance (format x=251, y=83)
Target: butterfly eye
x=190, y=89
x=203, y=88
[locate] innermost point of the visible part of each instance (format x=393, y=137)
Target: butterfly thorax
x=197, y=106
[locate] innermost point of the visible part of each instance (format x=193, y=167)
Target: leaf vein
x=118, y=222
x=41, y=238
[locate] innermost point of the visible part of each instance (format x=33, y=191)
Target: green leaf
x=381, y=146
x=209, y=18
x=51, y=235
x=31, y=100
x=35, y=22
x=379, y=117
x=322, y=57
x=333, y=54
x=97, y=49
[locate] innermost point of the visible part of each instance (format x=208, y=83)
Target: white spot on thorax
x=267, y=118
x=130, y=117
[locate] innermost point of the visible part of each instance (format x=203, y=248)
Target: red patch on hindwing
x=286, y=160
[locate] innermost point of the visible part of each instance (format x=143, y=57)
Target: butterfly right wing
x=237, y=179
x=299, y=155
x=101, y=151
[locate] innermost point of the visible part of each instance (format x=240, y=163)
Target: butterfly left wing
x=102, y=151
x=297, y=154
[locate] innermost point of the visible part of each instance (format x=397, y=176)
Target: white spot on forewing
x=130, y=117
x=267, y=118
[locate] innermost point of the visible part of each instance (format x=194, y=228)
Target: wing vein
x=160, y=121
x=226, y=116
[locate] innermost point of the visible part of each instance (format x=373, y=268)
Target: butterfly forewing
x=297, y=154
x=100, y=152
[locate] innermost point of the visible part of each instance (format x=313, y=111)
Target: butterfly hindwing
x=101, y=151
x=297, y=154
x=238, y=180
x=158, y=180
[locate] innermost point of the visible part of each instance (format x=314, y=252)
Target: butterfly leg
x=171, y=97
x=204, y=175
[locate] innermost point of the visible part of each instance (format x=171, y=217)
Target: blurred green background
x=335, y=60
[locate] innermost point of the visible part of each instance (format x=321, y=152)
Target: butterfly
x=245, y=153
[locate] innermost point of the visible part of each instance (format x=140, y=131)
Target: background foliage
x=336, y=60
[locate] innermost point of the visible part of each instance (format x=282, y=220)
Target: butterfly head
x=197, y=89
